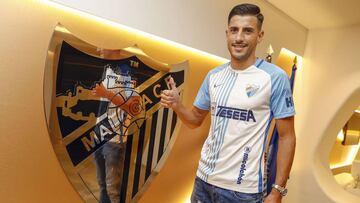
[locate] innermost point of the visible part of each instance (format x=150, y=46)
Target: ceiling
x=314, y=14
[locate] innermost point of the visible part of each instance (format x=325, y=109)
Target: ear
x=260, y=36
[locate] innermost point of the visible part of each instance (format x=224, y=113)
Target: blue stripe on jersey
x=260, y=183
x=260, y=186
x=224, y=101
x=202, y=100
x=259, y=62
x=222, y=93
x=215, y=128
x=206, y=167
x=218, y=123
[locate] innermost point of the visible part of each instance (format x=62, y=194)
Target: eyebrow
x=248, y=28
x=244, y=28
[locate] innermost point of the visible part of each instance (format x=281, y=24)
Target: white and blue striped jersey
x=242, y=104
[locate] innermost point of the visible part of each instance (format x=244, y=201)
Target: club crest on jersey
x=251, y=89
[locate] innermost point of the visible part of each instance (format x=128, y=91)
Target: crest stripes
x=163, y=131
x=126, y=169
x=128, y=193
x=138, y=160
x=151, y=145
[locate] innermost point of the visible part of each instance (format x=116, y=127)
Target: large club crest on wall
x=105, y=121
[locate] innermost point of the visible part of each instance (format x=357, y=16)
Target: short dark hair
x=247, y=9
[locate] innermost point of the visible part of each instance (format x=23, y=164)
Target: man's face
x=242, y=37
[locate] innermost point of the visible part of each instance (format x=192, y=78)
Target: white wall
x=200, y=24
x=327, y=91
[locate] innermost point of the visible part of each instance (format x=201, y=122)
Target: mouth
x=239, y=47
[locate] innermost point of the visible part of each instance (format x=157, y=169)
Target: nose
x=239, y=37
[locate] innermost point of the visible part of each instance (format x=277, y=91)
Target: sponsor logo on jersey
x=243, y=165
x=288, y=98
x=236, y=114
x=289, y=102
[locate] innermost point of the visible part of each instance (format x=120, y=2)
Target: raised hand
x=170, y=98
x=100, y=91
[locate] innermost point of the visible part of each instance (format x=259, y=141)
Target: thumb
x=172, y=83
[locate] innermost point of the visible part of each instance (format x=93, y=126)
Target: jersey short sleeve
x=281, y=101
x=202, y=100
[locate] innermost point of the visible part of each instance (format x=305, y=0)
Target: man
x=109, y=159
x=242, y=97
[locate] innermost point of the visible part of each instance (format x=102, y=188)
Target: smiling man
x=242, y=96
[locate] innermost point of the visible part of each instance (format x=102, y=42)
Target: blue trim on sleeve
x=281, y=101
x=202, y=100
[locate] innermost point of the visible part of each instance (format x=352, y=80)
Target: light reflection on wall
x=342, y=156
x=129, y=29
x=288, y=55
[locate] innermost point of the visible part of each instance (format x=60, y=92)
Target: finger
x=166, y=99
x=172, y=83
x=164, y=104
x=166, y=92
